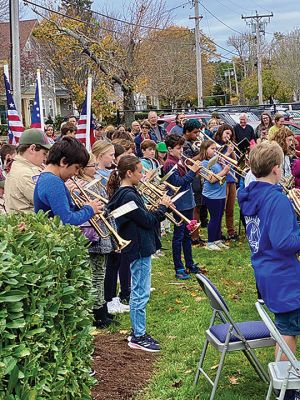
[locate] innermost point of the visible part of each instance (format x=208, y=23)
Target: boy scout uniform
x=20, y=181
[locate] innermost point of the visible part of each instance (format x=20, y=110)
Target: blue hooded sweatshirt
x=274, y=239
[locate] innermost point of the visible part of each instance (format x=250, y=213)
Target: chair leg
x=200, y=363
x=219, y=370
x=253, y=360
x=269, y=391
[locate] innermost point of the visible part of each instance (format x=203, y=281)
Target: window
x=44, y=108
x=51, y=108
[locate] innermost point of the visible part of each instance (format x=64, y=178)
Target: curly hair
x=280, y=137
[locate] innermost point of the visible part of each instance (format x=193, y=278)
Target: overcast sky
x=286, y=15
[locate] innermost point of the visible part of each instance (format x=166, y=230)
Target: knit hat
x=35, y=136
x=161, y=147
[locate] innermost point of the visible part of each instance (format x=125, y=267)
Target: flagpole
x=6, y=71
x=39, y=82
x=88, y=113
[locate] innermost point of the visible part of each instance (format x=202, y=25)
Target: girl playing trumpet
x=214, y=195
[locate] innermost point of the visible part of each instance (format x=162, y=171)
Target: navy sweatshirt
x=274, y=239
x=140, y=226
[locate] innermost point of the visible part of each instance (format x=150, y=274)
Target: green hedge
x=45, y=301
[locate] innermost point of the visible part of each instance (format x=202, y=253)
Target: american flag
x=35, y=112
x=15, y=125
x=81, y=127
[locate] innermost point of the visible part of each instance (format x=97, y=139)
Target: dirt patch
x=121, y=372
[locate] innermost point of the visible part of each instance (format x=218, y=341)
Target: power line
x=26, y=2
x=181, y=5
x=107, y=16
x=218, y=19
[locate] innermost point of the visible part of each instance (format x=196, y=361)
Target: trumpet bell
x=122, y=243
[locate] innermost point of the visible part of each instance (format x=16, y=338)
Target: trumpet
x=204, y=172
x=163, y=183
x=150, y=190
x=287, y=183
x=233, y=163
x=79, y=200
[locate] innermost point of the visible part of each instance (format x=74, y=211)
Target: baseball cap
x=35, y=136
x=161, y=147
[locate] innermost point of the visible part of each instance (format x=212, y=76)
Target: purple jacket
x=296, y=172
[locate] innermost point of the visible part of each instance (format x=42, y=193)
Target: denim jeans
x=140, y=293
x=182, y=240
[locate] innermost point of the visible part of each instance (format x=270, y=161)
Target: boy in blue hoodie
x=274, y=239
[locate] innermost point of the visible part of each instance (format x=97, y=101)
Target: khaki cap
x=35, y=136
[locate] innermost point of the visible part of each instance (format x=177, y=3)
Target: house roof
x=26, y=28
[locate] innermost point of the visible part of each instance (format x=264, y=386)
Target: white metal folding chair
x=284, y=375
x=229, y=336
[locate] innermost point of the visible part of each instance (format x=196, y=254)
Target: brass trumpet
x=79, y=200
x=163, y=184
x=233, y=163
x=204, y=172
x=150, y=190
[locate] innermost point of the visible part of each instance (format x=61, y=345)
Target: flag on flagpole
x=15, y=125
x=36, y=121
x=82, y=133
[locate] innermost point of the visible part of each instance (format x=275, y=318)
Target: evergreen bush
x=45, y=301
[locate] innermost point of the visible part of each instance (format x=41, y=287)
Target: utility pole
x=15, y=52
x=258, y=24
x=197, y=19
x=236, y=81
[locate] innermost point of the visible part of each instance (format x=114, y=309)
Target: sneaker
x=194, y=269
x=212, y=246
x=145, y=342
x=116, y=307
x=182, y=275
x=222, y=245
x=160, y=253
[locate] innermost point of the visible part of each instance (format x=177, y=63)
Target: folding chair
x=284, y=375
x=229, y=336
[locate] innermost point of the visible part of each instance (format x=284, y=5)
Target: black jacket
x=140, y=226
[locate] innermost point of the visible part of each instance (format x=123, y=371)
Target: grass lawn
x=179, y=313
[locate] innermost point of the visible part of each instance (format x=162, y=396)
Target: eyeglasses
x=145, y=127
x=95, y=165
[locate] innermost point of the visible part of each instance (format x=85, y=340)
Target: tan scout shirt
x=19, y=185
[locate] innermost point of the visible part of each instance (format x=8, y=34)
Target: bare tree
x=285, y=52
x=4, y=10
x=111, y=46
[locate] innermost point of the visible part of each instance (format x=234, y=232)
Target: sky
x=286, y=16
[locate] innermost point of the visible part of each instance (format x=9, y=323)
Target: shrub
x=45, y=300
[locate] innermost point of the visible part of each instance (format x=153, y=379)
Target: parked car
x=168, y=121
x=294, y=116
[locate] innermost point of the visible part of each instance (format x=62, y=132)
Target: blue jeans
x=182, y=240
x=216, y=209
x=140, y=293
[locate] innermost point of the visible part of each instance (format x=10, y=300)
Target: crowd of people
x=188, y=178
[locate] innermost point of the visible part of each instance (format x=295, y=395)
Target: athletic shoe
x=212, y=246
x=194, y=269
x=182, y=275
x=145, y=342
x=116, y=307
x=131, y=334
x=220, y=244
x=159, y=253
